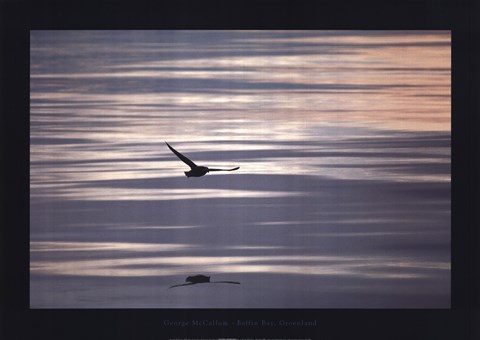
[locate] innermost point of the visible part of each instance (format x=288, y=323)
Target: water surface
x=342, y=199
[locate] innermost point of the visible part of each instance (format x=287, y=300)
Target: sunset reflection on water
x=343, y=143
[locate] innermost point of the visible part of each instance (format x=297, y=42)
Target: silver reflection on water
x=343, y=192
x=300, y=265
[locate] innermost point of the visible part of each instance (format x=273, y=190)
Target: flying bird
x=192, y=280
x=195, y=170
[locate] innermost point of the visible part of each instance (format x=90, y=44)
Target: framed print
x=268, y=170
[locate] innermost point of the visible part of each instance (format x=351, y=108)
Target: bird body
x=198, y=279
x=198, y=171
x=195, y=170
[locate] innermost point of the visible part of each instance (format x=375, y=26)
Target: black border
x=16, y=20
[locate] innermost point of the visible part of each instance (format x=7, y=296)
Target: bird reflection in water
x=192, y=280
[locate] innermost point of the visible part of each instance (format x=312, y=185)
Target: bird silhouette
x=195, y=170
x=192, y=280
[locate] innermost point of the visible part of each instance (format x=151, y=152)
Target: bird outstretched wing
x=234, y=282
x=224, y=169
x=184, y=284
x=194, y=283
x=182, y=157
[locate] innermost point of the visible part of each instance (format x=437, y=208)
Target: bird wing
x=210, y=169
x=184, y=284
x=182, y=157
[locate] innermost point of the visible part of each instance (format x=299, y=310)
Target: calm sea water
x=342, y=199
